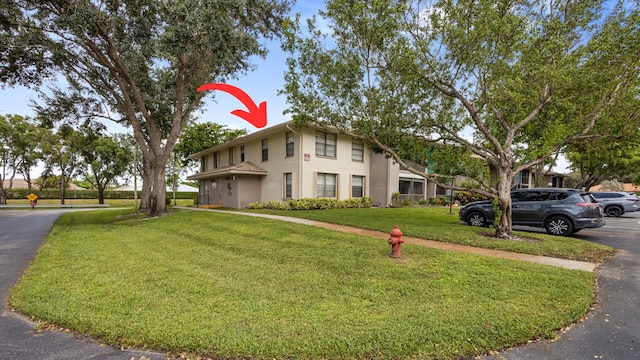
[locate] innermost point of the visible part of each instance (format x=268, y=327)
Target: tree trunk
x=100, y=194
x=147, y=186
x=503, y=226
x=62, y=188
x=159, y=197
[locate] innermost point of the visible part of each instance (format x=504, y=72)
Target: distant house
x=181, y=188
x=526, y=179
x=626, y=187
x=19, y=183
x=289, y=162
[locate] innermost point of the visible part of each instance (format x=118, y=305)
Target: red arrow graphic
x=257, y=116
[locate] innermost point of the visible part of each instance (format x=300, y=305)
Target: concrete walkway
x=563, y=263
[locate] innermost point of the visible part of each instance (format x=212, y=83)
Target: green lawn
x=229, y=286
x=436, y=223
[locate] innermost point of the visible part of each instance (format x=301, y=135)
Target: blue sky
x=261, y=84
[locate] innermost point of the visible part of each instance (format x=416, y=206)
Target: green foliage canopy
x=136, y=62
x=509, y=82
x=200, y=136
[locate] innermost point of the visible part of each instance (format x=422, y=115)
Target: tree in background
x=601, y=160
x=104, y=157
x=61, y=150
x=19, y=150
x=138, y=63
x=201, y=136
x=504, y=84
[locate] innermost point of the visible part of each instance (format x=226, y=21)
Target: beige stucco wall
x=380, y=174
x=303, y=171
x=384, y=179
x=342, y=165
x=249, y=187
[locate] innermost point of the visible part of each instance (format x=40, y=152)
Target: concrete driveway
x=22, y=232
x=612, y=330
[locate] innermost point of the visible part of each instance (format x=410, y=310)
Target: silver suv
x=558, y=211
x=617, y=203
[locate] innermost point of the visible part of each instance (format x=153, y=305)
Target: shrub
x=395, y=199
x=312, y=204
x=465, y=197
x=18, y=194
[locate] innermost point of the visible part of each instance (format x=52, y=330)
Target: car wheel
x=613, y=211
x=559, y=225
x=476, y=218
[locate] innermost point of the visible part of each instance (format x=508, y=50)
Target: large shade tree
x=501, y=85
x=138, y=63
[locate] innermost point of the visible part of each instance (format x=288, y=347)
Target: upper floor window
x=231, y=155
x=357, y=150
x=216, y=155
x=265, y=149
x=242, y=153
x=326, y=185
x=325, y=144
x=289, y=143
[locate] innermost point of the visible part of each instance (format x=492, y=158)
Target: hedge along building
x=286, y=162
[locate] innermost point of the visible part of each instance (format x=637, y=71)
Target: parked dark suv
x=558, y=211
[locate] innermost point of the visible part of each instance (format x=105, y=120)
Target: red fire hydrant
x=395, y=240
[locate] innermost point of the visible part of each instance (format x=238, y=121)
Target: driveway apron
x=22, y=232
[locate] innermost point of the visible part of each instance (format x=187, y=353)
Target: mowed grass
x=231, y=286
x=437, y=223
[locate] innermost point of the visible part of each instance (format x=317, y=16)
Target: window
x=537, y=196
x=326, y=185
x=357, y=150
x=405, y=187
x=203, y=163
x=325, y=144
x=242, y=153
x=290, y=143
x=215, y=160
x=557, y=182
x=288, y=183
x=265, y=149
x=357, y=186
x=418, y=187
x=231, y=155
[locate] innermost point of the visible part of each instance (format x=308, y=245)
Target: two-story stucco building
x=289, y=162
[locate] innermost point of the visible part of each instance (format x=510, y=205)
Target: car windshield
x=587, y=197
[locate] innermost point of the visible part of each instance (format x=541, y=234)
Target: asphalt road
x=612, y=329
x=22, y=232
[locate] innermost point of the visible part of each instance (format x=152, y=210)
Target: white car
x=617, y=203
